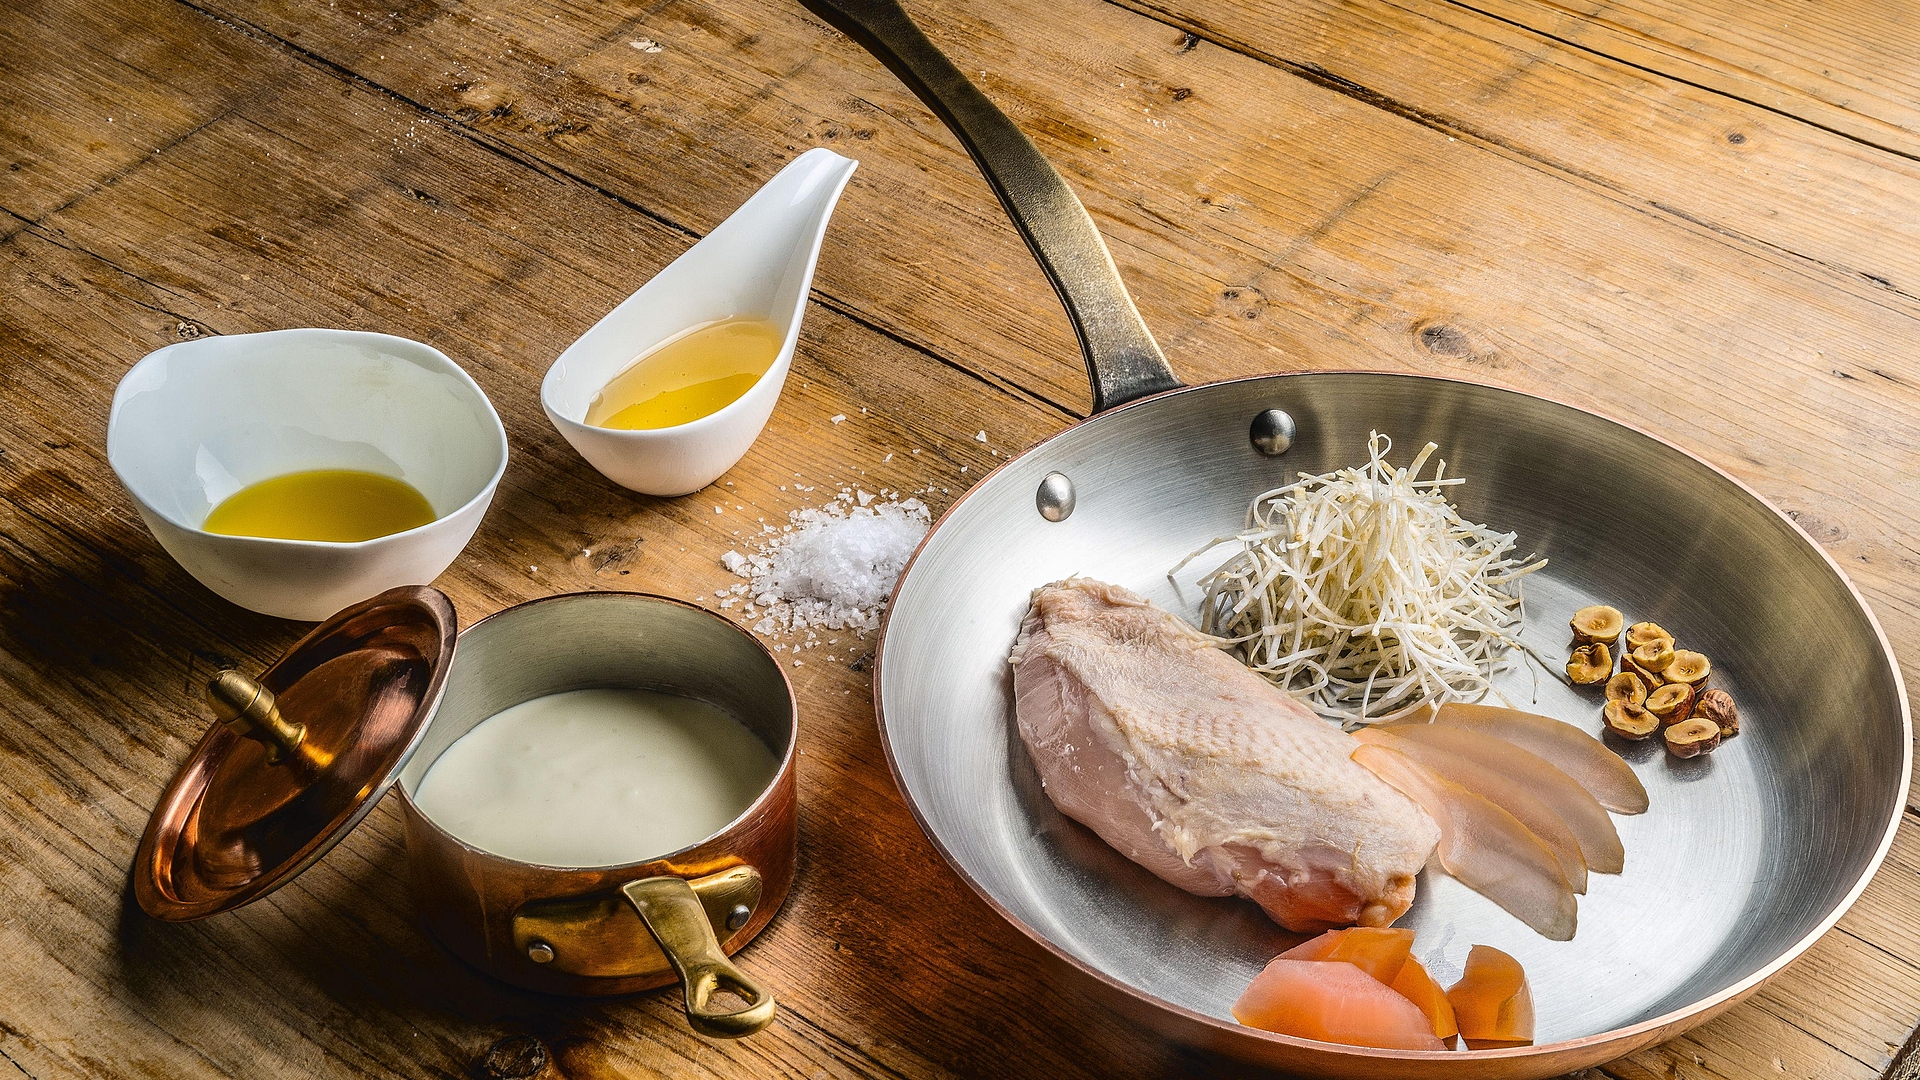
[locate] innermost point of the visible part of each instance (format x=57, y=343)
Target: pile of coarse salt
x=831, y=567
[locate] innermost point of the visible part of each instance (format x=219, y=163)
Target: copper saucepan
x=1746, y=856
x=372, y=697
x=613, y=929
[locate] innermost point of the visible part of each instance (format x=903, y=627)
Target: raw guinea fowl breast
x=1203, y=772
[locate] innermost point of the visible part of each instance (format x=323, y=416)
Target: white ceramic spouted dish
x=757, y=264
x=195, y=422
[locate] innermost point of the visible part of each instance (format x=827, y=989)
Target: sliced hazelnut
x=1691, y=668
x=1642, y=632
x=1627, y=687
x=1590, y=664
x=1672, y=703
x=1654, y=655
x=1648, y=676
x=1717, y=706
x=1599, y=623
x=1629, y=721
x=1691, y=738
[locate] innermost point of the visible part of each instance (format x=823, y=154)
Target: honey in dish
x=341, y=505
x=596, y=777
x=689, y=377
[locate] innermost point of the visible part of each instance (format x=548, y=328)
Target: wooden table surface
x=1699, y=215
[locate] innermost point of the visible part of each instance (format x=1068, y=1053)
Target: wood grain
x=489, y=178
x=1847, y=68
x=1663, y=144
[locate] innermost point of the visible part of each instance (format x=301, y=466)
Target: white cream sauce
x=596, y=777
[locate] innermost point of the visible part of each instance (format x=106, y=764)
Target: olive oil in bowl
x=694, y=375
x=338, y=505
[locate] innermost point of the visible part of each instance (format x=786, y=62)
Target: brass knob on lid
x=248, y=708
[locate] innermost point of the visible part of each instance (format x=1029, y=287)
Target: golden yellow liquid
x=689, y=377
x=342, y=505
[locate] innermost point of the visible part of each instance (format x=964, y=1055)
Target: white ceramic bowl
x=756, y=264
x=195, y=422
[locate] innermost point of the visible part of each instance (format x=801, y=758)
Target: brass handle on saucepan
x=1123, y=360
x=676, y=919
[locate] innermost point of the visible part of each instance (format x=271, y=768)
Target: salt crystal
x=980, y=437
x=886, y=459
x=832, y=567
x=837, y=418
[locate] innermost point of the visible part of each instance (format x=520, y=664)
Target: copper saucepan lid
x=304, y=754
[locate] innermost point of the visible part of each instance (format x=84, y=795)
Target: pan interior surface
x=1743, y=853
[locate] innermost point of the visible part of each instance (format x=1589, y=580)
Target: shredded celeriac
x=1364, y=594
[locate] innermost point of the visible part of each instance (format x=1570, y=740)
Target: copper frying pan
x=1746, y=857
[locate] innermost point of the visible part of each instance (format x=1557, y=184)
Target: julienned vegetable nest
x=1364, y=592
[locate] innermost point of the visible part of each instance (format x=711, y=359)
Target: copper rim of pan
x=753, y=810
x=1639, y=1033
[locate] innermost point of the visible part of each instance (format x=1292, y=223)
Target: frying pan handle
x=1123, y=360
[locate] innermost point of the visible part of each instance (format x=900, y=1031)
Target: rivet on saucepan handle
x=1272, y=433
x=1055, y=497
x=540, y=952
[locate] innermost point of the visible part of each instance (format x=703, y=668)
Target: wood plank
x=1845, y=67
x=1746, y=1043
x=61, y=137
x=605, y=118
x=1543, y=91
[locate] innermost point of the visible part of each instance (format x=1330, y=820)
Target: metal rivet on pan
x=540, y=952
x=1055, y=497
x=738, y=915
x=1272, y=433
